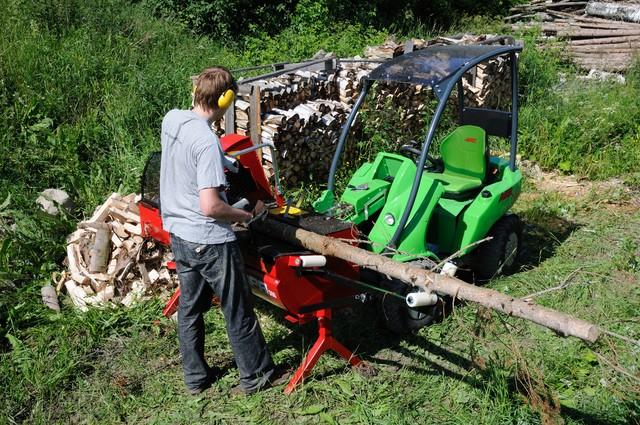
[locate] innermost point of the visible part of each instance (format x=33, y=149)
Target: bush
x=229, y=19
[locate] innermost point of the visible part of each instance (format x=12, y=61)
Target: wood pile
x=290, y=90
x=305, y=138
x=623, y=12
x=302, y=112
x=488, y=85
x=592, y=42
x=283, y=92
x=348, y=79
x=390, y=48
x=110, y=263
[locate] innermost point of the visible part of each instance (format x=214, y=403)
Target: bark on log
x=50, y=297
x=443, y=285
x=101, y=250
x=608, y=40
x=581, y=18
x=615, y=11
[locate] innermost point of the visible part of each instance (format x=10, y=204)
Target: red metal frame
x=151, y=224
x=234, y=143
x=279, y=281
x=325, y=342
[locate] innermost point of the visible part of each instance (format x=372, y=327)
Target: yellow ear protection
x=226, y=98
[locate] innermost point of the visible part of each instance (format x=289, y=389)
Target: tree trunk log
x=442, y=285
x=614, y=11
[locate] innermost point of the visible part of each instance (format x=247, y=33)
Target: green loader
x=424, y=207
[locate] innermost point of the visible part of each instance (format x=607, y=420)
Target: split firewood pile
x=304, y=137
x=302, y=112
x=603, y=36
x=284, y=92
x=486, y=85
x=110, y=263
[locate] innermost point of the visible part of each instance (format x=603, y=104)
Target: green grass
x=83, y=88
x=474, y=366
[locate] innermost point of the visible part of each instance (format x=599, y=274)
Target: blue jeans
x=218, y=269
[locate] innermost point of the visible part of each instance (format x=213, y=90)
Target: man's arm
x=212, y=205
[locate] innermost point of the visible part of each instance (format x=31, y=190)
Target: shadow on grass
x=540, y=239
x=360, y=329
x=545, y=229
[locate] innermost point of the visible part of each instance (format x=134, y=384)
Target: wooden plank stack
x=109, y=261
x=593, y=43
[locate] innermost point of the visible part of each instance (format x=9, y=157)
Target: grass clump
x=586, y=127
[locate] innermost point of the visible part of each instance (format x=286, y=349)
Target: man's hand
x=258, y=208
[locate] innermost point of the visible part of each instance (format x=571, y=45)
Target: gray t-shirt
x=192, y=160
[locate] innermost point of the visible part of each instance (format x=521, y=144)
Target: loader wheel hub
x=511, y=250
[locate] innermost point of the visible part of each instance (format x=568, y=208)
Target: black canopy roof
x=435, y=64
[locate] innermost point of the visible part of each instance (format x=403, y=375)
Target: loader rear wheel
x=397, y=316
x=499, y=256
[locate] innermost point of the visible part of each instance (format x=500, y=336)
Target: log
x=101, y=250
x=608, y=40
x=432, y=282
x=630, y=49
x=586, y=19
x=50, y=297
x=589, y=33
x=546, y=6
x=623, y=12
x=134, y=230
x=77, y=295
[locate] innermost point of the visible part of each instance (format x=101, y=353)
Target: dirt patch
x=612, y=193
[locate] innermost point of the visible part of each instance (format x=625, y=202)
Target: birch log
x=630, y=12
x=101, y=250
x=443, y=285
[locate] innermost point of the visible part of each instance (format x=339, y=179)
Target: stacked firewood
x=290, y=90
x=283, y=92
x=403, y=107
x=301, y=113
x=488, y=85
x=593, y=43
x=390, y=48
x=305, y=137
x=348, y=79
x=109, y=261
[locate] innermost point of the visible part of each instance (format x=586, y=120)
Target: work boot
x=280, y=376
x=213, y=375
x=198, y=390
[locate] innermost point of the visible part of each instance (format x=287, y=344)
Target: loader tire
x=397, y=316
x=499, y=256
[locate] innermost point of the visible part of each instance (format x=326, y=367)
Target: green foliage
x=628, y=257
x=228, y=20
x=44, y=360
x=225, y=19
x=589, y=128
x=578, y=126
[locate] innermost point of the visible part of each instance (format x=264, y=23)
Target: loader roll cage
x=442, y=68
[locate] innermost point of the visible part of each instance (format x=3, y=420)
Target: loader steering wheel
x=436, y=164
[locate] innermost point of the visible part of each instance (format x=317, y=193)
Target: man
x=196, y=214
